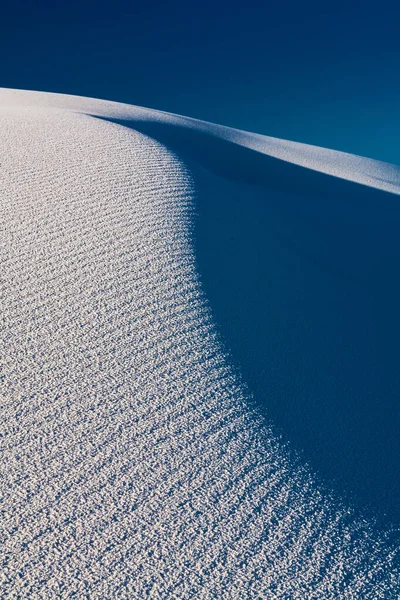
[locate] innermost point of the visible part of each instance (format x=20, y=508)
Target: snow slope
x=133, y=465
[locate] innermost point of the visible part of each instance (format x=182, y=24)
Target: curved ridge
x=342, y=165
x=132, y=463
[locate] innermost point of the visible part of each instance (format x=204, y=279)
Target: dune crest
x=133, y=464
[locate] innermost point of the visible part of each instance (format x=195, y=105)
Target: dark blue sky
x=322, y=73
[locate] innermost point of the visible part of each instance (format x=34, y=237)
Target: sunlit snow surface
x=133, y=464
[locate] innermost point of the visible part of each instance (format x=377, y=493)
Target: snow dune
x=133, y=464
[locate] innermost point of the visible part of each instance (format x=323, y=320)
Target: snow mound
x=132, y=465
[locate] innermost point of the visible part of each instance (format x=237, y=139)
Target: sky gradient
x=321, y=74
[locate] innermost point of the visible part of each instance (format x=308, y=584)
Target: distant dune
x=198, y=360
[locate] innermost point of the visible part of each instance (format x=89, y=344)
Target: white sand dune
x=132, y=465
